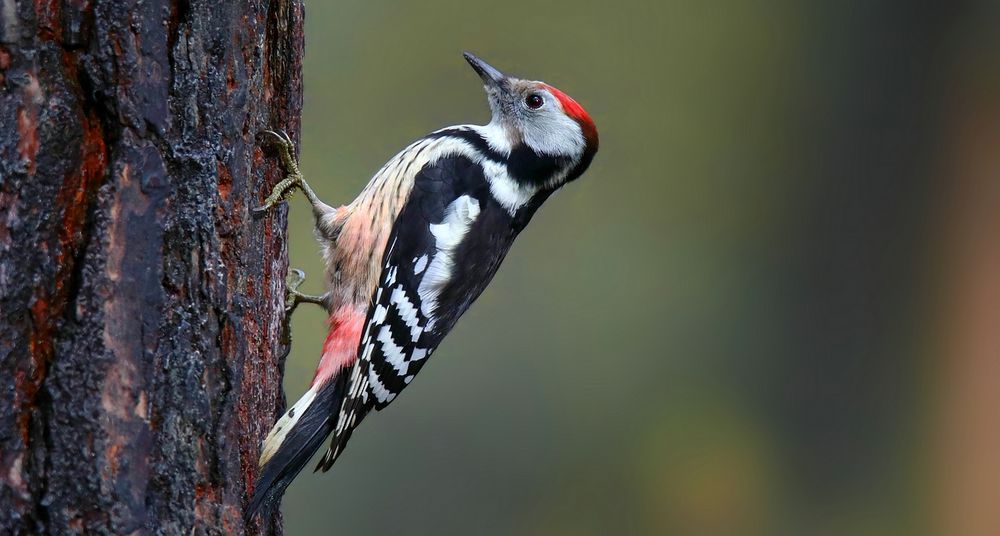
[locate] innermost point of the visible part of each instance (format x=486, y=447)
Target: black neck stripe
x=474, y=139
x=523, y=164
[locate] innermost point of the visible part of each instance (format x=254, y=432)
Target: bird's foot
x=293, y=297
x=282, y=142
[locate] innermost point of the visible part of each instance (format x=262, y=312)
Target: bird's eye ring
x=534, y=101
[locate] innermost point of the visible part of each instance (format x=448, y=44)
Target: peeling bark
x=140, y=301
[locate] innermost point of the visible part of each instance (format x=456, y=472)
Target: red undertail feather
x=341, y=347
x=303, y=428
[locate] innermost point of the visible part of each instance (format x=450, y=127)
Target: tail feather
x=292, y=442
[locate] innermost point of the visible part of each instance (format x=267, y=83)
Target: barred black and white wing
x=445, y=247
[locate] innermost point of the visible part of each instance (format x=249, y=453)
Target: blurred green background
x=722, y=328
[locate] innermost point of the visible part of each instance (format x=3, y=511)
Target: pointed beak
x=490, y=75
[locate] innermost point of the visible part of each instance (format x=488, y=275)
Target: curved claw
x=293, y=297
x=293, y=179
x=278, y=136
x=294, y=279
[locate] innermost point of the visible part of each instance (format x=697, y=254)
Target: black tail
x=295, y=446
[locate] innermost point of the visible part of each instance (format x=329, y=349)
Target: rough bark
x=140, y=301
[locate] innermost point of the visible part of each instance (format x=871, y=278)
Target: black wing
x=444, y=249
x=407, y=319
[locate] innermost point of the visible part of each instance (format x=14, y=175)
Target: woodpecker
x=412, y=252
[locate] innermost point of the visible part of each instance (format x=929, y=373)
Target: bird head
x=534, y=117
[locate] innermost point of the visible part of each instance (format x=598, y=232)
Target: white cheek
x=554, y=133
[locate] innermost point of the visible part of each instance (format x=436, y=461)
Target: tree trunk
x=140, y=301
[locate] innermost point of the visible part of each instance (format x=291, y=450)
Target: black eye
x=534, y=101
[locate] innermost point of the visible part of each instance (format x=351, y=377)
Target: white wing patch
x=420, y=264
x=458, y=219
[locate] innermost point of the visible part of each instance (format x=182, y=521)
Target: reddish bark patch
x=230, y=80
x=47, y=12
x=72, y=202
x=225, y=182
x=4, y=62
x=27, y=130
x=74, y=197
x=40, y=348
